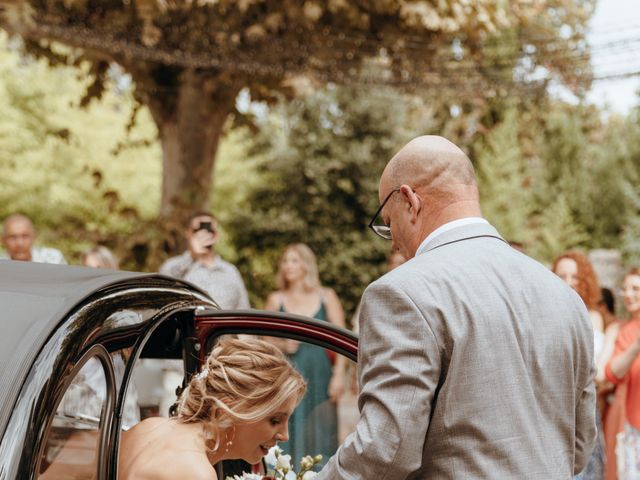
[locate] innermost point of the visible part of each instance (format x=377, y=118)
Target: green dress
x=313, y=427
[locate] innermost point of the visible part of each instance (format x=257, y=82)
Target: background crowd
x=314, y=425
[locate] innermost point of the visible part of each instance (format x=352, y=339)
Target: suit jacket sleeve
x=586, y=428
x=399, y=368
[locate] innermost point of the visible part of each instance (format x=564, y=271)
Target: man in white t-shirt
x=18, y=237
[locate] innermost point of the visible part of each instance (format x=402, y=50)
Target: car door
x=322, y=352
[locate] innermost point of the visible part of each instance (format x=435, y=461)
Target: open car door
x=321, y=352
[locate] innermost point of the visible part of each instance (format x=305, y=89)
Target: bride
x=237, y=407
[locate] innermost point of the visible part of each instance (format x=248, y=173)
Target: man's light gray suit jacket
x=476, y=362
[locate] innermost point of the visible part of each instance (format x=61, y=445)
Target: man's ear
x=414, y=203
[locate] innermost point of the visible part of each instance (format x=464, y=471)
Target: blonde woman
x=238, y=406
x=314, y=425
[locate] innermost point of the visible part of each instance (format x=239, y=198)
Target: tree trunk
x=190, y=115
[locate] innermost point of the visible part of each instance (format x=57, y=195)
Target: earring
x=229, y=442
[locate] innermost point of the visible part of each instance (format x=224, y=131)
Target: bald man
x=475, y=362
x=18, y=237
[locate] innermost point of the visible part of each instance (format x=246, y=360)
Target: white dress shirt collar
x=445, y=228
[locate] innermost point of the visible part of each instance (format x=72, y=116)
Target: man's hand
x=200, y=243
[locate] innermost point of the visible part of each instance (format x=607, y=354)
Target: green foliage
x=627, y=138
x=589, y=163
x=506, y=196
x=556, y=231
x=88, y=176
x=261, y=41
x=57, y=161
x=190, y=59
x=631, y=232
x=556, y=177
x=536, y=173
x=553, y=176
x=321, y=158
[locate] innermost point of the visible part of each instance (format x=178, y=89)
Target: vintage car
x=72, y=340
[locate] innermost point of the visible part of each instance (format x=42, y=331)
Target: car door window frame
x=100, y=353
x=214, y=323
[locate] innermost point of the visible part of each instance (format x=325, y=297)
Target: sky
x=615, y=40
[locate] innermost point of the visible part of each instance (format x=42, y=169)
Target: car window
x=158, y=373
x=130, y=410
x=72, y=442
x=156, y=381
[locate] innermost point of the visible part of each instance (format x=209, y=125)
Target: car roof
x=34, y=299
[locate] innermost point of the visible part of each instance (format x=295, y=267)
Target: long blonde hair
x=311, y=279
x=242, y=381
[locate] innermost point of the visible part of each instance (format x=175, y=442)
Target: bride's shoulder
x=143, y=429
x=191, y=465
x=148, y=423
x=172, y=465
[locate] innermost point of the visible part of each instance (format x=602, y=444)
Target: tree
x=590, y=162
x=504, y=179
x=320, y=161
x=557, y=176
x=625, y=135
x=189, y=59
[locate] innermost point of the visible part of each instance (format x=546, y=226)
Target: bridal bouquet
x=281, y=468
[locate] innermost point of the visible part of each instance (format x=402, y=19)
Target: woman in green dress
x=313, y=428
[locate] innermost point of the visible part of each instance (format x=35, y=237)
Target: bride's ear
x=219, y=411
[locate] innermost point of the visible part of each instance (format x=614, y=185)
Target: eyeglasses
x=383, y=230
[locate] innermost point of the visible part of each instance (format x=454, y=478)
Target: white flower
x=307, y=462
x=282, y=469
x=272, y=456
x=246, y=476
x=284, y=462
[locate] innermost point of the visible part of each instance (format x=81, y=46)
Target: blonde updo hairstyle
x=242, y=381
